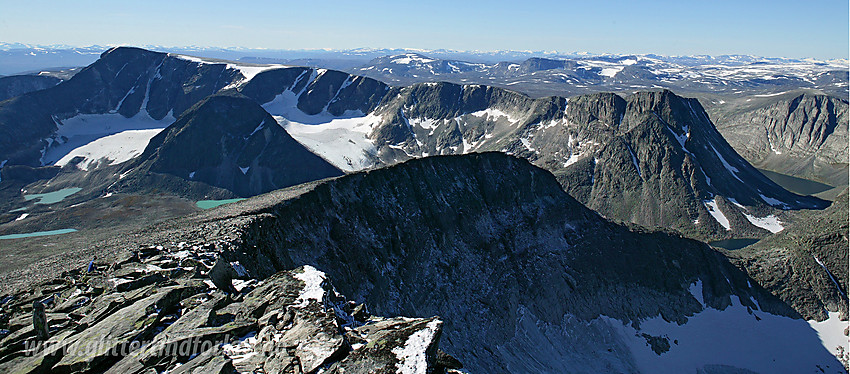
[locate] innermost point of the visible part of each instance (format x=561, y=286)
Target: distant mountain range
x=567, y=76
x=538, y=73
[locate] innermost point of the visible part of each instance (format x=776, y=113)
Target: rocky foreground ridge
x=525, y=277
x=156, y=310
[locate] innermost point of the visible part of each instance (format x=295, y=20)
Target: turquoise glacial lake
x=209, y=204
x=37, y=233
x=52, y=197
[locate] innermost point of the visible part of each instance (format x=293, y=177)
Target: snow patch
x=78, y=136
x=610, y=72
x=774, y=202
x=714, y=210
x=411, y=356
x=242, y=349
x=634, y=159
x=769, y=223
x=492, y=114
x=313, y=289
x=21, y=218
x=773, y=94
x=572, y=160
x=114, y=149
x=729, y=167
x=343, y=141
x=735, y=337
x=527, y=144
x=407, y=59
x=835, y=282
x=696, y=291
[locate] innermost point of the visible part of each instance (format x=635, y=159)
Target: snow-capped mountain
x=613, y=154
x=654, y=159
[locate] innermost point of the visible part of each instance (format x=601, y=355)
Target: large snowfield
x=110, y=137
x=739, y=338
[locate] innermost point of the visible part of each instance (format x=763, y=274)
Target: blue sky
x=778, y=28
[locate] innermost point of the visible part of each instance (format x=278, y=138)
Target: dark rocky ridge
x=487, y=241
x=482, y=240
x=650, y=159
x=228, y=142
x=803, y=135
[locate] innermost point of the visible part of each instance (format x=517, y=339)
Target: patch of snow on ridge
x=312, y=290
x=735, y=338
x=733, y=170
x=407, y=59
x=572, y=160
x=493, y=114
x=769, y=223
x=773, y=94
x=114, y=149
x=248, y=71
x=714, y=210
x=411, y=356
x=774, y=202
x=835, y=282
x=634, y=159
x=610, y=72
x=696, y=290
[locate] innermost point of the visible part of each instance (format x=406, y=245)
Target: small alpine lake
x=37, y=233
x=794, y=184
x=733, y=244
x=209, y=204
x=52, y=197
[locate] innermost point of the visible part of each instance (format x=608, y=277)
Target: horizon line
x=406, y=49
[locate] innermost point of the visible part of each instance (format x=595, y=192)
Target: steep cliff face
x=803, y=135
x=526, y=278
